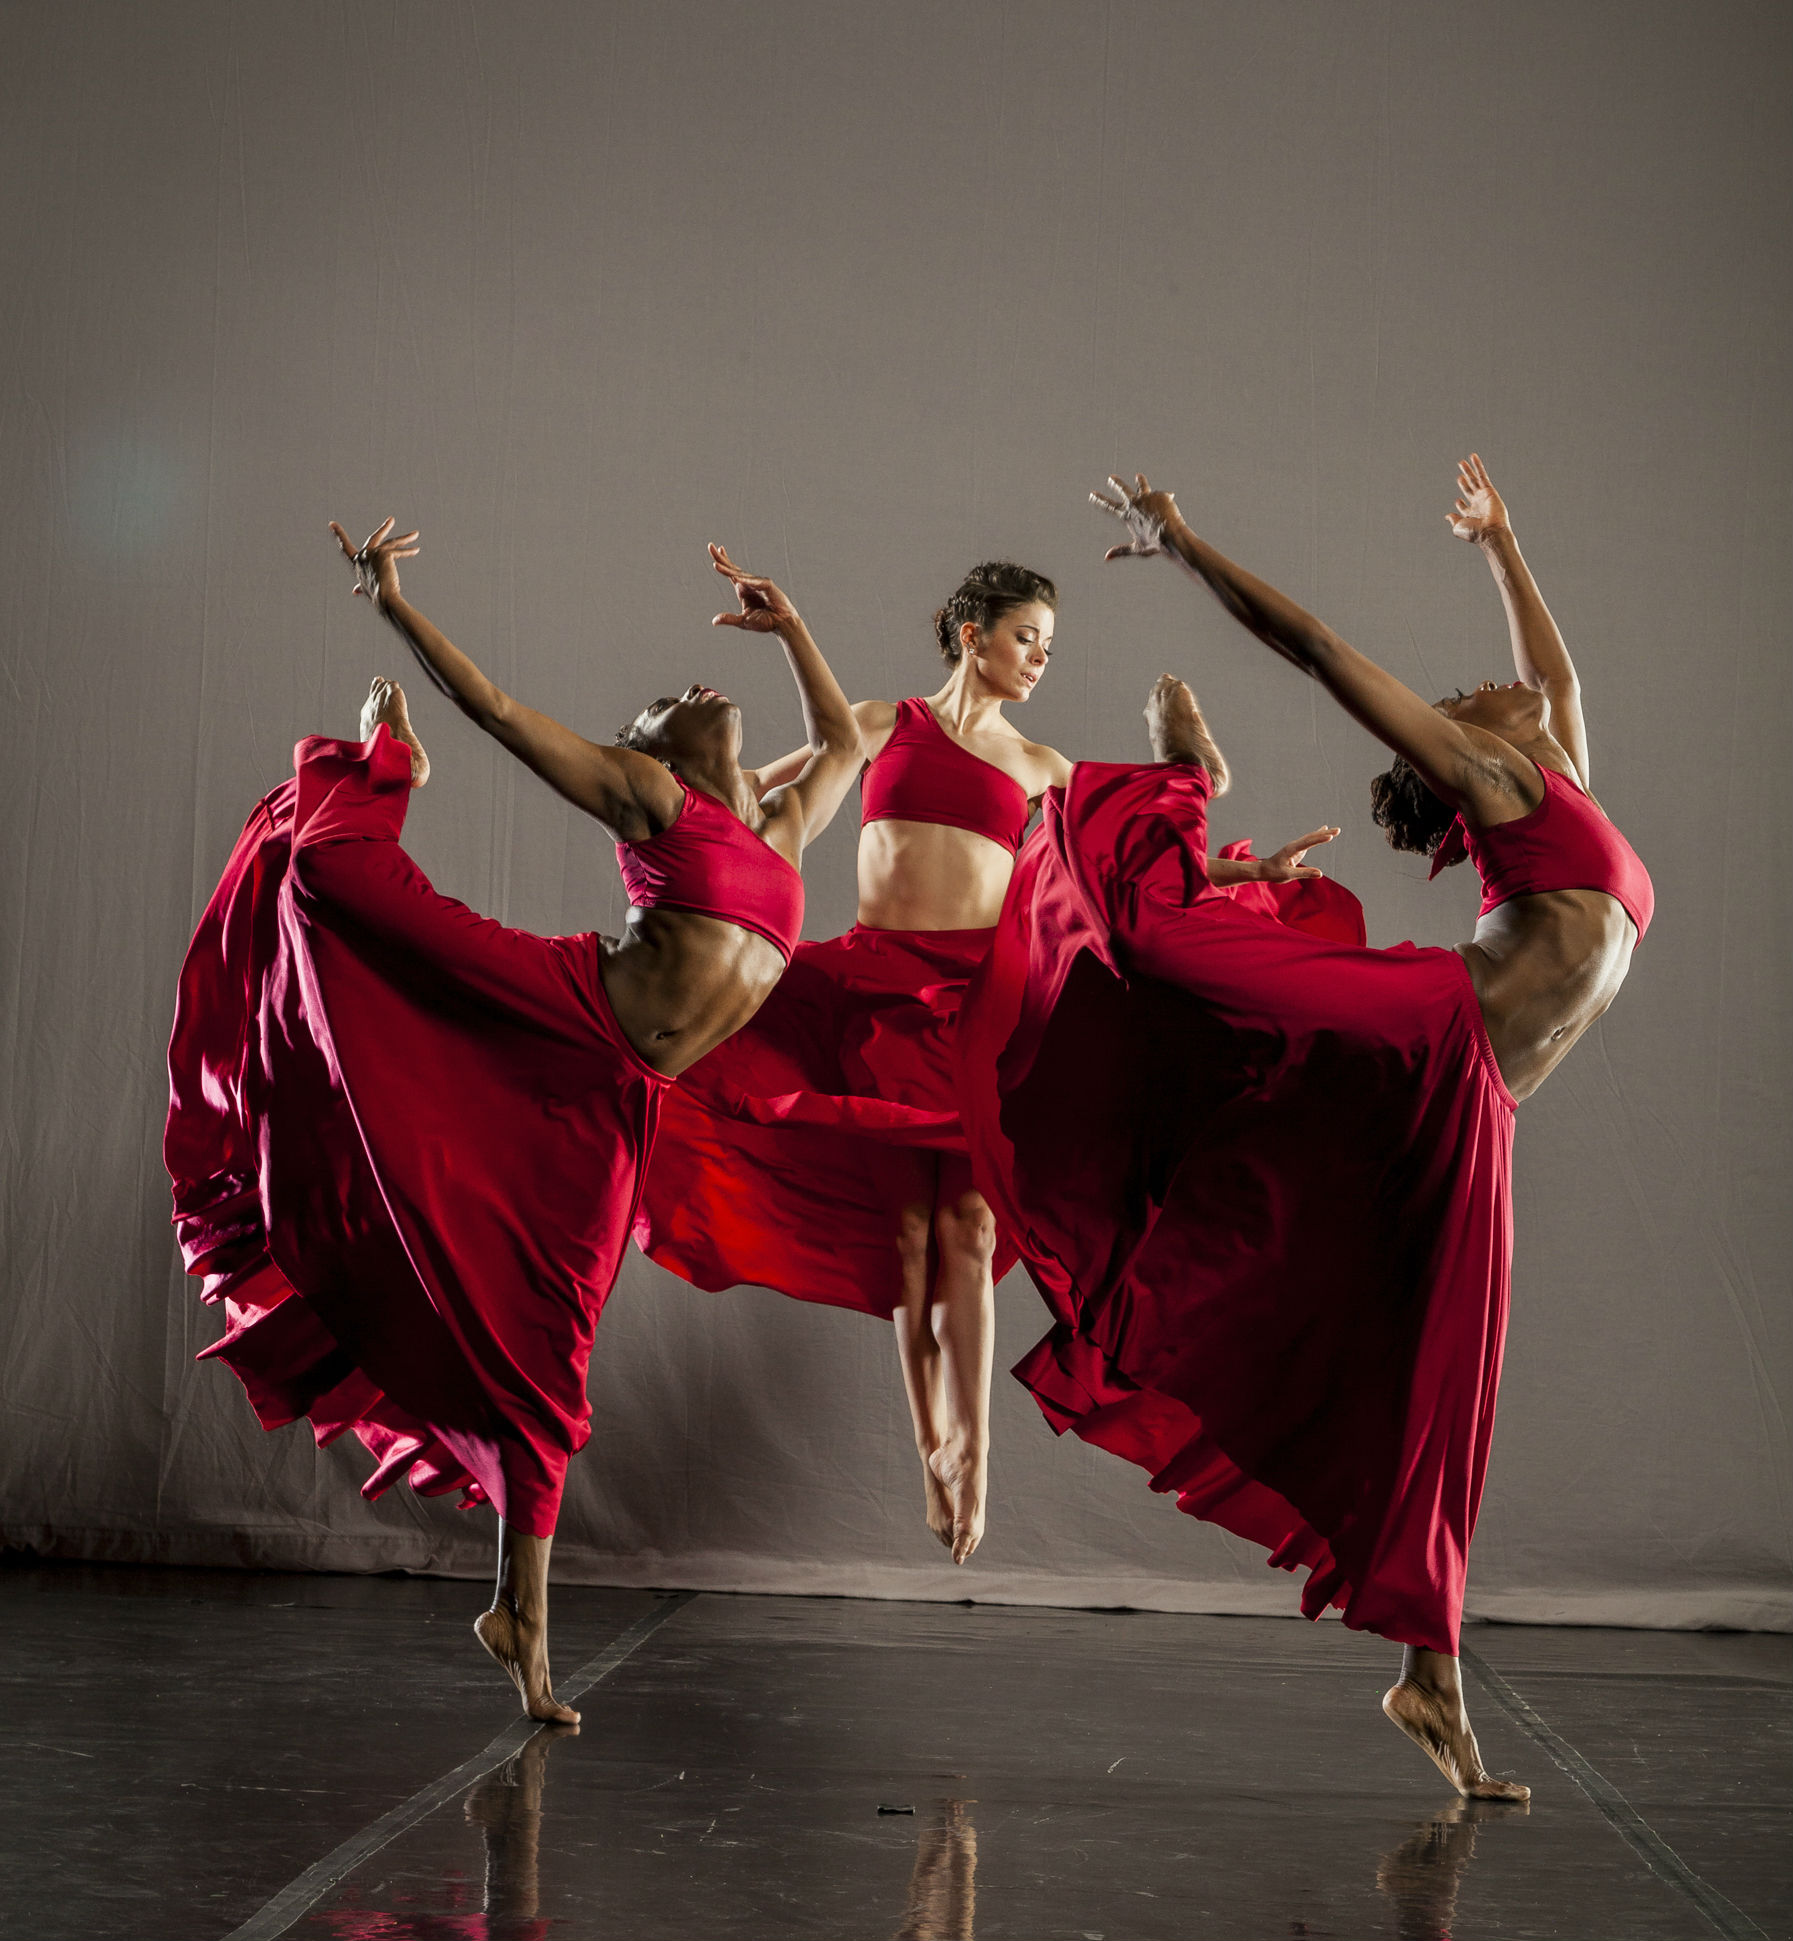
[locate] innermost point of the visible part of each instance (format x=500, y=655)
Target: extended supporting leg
x=515, y=1629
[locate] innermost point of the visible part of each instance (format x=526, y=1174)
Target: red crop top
x=922, y=775
x=709, y=862
x=1565, y=843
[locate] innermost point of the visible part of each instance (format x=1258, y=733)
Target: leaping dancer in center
x=820, y=1151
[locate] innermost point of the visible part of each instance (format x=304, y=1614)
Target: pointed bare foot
x=522, y=1650
x=939, y=1510
x=961, y=1477
x=1438, y=1724
x=386, y=702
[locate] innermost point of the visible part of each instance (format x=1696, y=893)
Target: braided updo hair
x=1407, y=811
x=984, y=595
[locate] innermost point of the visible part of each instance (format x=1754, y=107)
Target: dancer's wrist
x=1178, y=534
x=1497, y=542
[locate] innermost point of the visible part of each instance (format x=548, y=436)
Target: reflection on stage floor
x=201, y=1754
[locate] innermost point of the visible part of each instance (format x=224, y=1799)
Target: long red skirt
x=1262, y=1180
x=787, y=1156
x=406, y=1146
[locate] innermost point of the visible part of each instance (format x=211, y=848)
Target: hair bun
x=984, y=595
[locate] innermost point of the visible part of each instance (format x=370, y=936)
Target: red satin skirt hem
x=1261, y=1176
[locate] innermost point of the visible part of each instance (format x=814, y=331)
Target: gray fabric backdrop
x=871, y=293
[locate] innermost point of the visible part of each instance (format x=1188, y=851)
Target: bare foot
x=939, y=1510
x=961, y=1479
x=522, y=1650
x=1438, y=1724
x=386, y=702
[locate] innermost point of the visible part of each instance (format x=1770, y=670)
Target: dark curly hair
x=1407, y=811
x=984, y=595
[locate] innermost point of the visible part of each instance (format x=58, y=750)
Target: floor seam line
x=298, y=1896
x=1662, y=1860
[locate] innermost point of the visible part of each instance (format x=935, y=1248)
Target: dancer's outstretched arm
x=775, y=774
x=1540, y=658
x=630, y=793
x=803, y=800
x=1471, y=770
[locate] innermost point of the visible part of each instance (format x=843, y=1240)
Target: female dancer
x=388, y=1113
x=820, y=1152
x=1278, y=1240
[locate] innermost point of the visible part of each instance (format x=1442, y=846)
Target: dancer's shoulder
x=1045, y=767
x=876, y=720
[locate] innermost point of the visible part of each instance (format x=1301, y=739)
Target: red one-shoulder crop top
x=922, y=775
x=1565, y=843
x=709, y=862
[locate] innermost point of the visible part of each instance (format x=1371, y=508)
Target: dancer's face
x=698, y=726
x=1513, y=711
x=1010, y=654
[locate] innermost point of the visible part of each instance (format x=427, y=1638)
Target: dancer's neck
x=967, y=704
x=727, y=785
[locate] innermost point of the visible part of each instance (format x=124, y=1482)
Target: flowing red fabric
x=787, y=1155
x=1262, y=1179
x=406, y=1146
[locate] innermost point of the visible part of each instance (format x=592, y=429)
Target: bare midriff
x=679, y=983
x=1545, y=967
x=930, y=876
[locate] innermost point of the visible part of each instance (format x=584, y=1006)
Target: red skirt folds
x=406, y=1146
x=1262, y=1178
x=787, y=1155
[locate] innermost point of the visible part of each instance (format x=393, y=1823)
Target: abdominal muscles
x=930, y=876
x=679, y=983
x=1545, y=967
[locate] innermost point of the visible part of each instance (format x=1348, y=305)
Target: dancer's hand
x=1480, y=510
x=764, y=609
x=1143, y=512
x=1288, y=865
x=376, y=563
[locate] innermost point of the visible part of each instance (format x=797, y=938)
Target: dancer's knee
x=914, y=1227
x=965, y=1227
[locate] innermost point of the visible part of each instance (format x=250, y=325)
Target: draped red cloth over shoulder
x=1261, y=1175
x=406, y=1146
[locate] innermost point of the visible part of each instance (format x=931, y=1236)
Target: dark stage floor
x=197, y=1754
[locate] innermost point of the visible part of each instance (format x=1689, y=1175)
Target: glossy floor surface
x=196, y=1754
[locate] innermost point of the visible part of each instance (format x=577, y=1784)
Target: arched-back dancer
x=1265, y=1181
x=820, y=1152
x=406, y=1141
